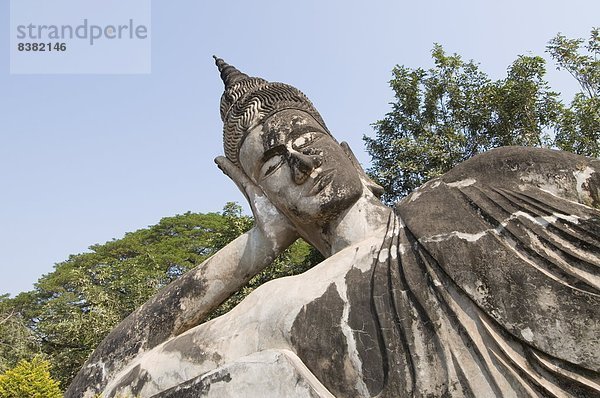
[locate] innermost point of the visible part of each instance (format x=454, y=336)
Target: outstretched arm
x=188, y=300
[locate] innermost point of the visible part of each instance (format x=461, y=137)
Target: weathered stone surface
x=264, y=374
x=318, y=329
x=483, y=282
x=526, y=256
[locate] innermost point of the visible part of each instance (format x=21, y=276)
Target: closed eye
x=276, y=150
x=271, y=165
x=272, y=159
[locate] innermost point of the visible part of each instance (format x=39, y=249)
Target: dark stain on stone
x=220, y=376
x=196, y=387
x=135, y=379
x=592, y=185
x=317, y=337
x=189, y=349
x=166, y=313
x=365, y=330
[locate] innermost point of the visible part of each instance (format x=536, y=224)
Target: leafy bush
x=29, y=379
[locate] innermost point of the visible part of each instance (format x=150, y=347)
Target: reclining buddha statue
x=484, y=282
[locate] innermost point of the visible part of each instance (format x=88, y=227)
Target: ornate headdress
x=248, y=101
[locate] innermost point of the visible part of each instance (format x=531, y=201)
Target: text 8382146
x=42, y=47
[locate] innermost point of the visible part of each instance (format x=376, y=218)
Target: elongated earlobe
x=372, y=185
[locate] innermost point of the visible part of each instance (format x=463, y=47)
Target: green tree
x=579, y=128
x=29, y=379
x=17, y=341
x=451, y=112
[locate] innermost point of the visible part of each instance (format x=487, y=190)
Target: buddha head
x=276, y=136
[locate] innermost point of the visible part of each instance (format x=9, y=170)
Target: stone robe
x=489, y=283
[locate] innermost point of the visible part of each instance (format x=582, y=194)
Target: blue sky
x=86, y=158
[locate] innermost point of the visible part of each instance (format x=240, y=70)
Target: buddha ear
x=373, y=187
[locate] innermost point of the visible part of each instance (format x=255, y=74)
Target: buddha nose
x=303, y=165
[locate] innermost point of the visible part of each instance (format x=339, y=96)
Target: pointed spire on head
x=229, y=73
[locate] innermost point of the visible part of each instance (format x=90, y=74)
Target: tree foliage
x=17, y=341
x=579, y=130
x=29, y=379
x=453, y=111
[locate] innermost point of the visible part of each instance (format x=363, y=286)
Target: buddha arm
x=196, y=294
x=183, y=304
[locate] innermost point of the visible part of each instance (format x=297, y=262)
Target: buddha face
x=303, y=171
